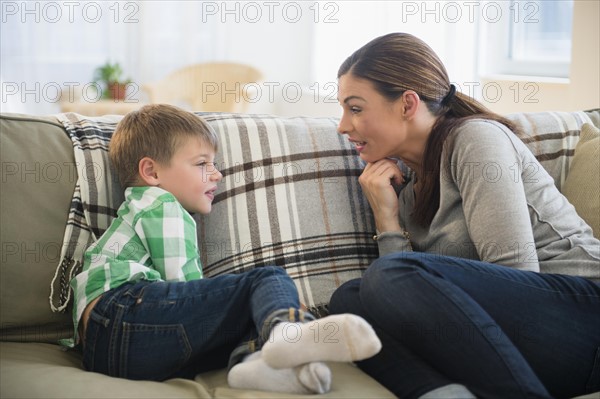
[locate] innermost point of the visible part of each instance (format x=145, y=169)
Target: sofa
x=290, y=197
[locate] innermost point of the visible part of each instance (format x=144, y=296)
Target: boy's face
x=191, y=176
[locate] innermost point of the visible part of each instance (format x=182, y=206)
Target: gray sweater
x=499, y=205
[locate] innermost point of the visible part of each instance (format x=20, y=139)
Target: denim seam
x=555, y=291
x=592, y=382
x=90, y=347
x=113, y=357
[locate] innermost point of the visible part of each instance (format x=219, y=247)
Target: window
x=533, y=36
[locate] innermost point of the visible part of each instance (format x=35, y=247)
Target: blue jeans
x=503, y=333
x=160, y=330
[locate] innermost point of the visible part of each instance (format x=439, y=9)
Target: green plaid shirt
x=153, y=238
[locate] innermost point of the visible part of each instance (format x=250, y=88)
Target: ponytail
x=458, y=109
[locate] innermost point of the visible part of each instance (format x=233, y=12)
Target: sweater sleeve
x=393, y=242
x=486, y=166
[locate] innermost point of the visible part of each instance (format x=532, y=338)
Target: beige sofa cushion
x=38, y=177
x=35, y=370
x=582, y=185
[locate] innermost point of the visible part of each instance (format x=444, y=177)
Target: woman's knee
x=397, y=264
x=345, y=299
x=269, y=271
x=391, y=273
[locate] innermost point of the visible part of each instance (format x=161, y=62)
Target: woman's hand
x=376, y=181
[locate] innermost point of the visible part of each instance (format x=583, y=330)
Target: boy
x=142, y=309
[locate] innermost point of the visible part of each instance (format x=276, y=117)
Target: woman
x=484, y=286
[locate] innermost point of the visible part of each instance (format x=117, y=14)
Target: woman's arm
x=487, y=168
x=377, y=182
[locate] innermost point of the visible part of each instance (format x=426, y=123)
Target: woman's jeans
x=160, y=330
x=501, y=332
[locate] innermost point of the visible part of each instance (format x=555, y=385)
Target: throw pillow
x=552, y=137
x=582, y=185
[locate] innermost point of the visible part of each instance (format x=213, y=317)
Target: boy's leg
x=254, y=373
x=160, y=330
x=297, y=359
x=292, y=337
x=336, y=338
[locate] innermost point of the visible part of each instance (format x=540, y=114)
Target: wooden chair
x=210, y=87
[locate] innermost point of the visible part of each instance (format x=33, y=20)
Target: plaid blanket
x=96, y=198
x=290, y=196
x=552, y=137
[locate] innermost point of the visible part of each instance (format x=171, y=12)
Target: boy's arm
x=169, y=234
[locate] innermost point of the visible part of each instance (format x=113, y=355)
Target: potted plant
x=110, y=79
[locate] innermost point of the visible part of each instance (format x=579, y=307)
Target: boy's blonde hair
x=155, y=131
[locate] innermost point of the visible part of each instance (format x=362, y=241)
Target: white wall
x=294, y=52
x=584, y=88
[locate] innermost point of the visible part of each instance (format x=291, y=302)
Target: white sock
x=254, y=373
x=337, y=338
x=451, y=391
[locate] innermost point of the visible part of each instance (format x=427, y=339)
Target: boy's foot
x=254, y=373
x=337, y=338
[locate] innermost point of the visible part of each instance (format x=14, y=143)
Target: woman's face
x=372, y=123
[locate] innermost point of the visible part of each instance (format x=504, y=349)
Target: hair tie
x=446, y=100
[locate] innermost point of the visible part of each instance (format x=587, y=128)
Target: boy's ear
x=147, y=169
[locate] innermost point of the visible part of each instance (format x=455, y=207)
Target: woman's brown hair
x=397, y=62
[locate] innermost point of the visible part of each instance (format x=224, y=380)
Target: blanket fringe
x=59, y=298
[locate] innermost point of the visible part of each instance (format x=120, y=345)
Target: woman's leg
x=395, y=367
x=501, y=332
